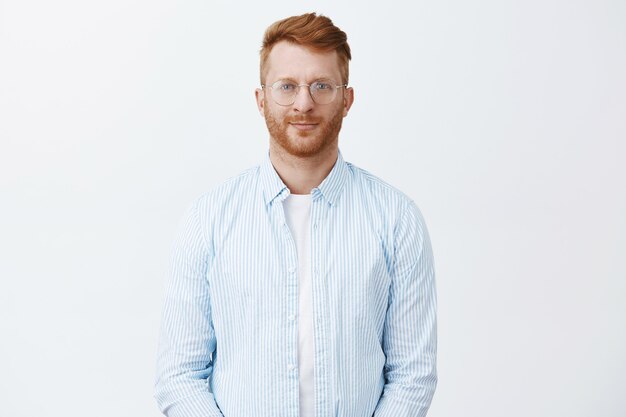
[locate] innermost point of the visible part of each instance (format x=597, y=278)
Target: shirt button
x=292, y=317
x=292, y=367
x=292, y=269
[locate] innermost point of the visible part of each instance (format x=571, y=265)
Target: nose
x=303, y=102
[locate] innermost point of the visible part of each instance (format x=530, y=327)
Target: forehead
x=288, y=60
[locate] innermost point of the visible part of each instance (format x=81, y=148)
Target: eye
x=285, y=86
x=322, y=85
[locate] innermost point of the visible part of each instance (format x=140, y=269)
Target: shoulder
x=230, y=187
x=379, y=190
x=227, y=194
x=386, y=204
x=395, y=209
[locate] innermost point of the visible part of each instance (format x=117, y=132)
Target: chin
x=303, y=150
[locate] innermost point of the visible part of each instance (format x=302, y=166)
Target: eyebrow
x=317, y=77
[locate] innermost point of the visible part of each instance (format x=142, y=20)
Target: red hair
x=311, y=31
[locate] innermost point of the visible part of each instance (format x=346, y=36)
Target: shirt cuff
x=196, y=405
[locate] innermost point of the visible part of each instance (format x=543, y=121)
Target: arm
x=410, y=332
x=187, y=340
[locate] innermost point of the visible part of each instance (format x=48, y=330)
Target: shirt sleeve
x=187, y=339
x=410, y=330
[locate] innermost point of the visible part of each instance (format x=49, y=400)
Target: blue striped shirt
x=228, y=344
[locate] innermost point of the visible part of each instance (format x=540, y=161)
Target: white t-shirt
x=298, y=215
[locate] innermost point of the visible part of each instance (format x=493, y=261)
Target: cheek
x=339, y=111
x=273, y=111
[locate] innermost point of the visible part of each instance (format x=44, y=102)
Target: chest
x=256, y=260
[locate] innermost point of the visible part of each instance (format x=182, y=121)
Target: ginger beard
x=303, y=143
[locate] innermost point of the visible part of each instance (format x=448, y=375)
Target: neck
x=302, y=174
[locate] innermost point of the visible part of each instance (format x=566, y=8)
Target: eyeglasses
x=284, y=92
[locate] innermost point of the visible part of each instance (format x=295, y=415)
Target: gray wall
x=505, y=121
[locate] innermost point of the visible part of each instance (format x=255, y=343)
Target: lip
x=304, y=126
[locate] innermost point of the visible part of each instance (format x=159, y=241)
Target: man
x=304, y=286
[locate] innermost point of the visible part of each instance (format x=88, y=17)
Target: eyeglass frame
x=336, y=87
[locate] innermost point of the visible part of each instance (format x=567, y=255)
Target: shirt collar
x=330, y=188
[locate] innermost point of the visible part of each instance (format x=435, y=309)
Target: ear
x=259, y=95
x=348, y=99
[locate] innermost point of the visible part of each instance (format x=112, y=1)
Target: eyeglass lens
x=284, y=92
